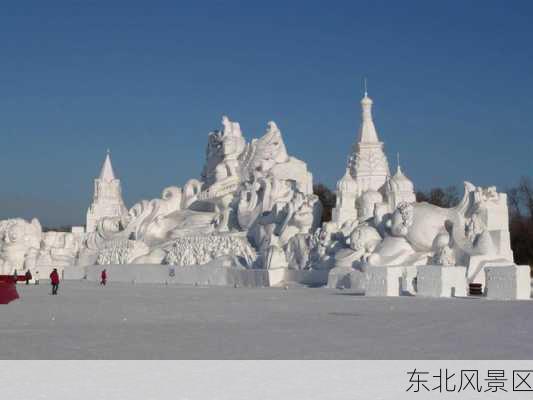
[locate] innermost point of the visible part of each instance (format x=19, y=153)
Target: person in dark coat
x=27, y=277
x=54, y=280
x=103, y=278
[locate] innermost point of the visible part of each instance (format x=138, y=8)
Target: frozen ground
x=124, y=321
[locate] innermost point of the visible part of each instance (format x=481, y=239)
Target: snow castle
x=251, y=218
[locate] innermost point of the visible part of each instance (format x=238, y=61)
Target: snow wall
x=204, y=275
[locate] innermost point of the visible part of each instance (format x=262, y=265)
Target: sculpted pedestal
x=439, y=281
x=511, y=282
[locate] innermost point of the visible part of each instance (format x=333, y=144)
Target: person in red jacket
x=103, y=278
x=54, y=280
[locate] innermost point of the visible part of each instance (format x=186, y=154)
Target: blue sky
x=451, y=83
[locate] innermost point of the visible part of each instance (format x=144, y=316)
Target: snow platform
x=512, y=282
x=439, y=281
x=202, y=275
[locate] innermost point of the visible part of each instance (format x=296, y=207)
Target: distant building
x=107, y=199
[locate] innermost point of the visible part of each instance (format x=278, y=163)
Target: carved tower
x=367, y=169
x=368, y=163
x=107, y=198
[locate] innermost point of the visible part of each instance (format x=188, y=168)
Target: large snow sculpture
x=252, y=199
x=277, y=204
x=378, y=222
x=422, y=234
x=253, y=207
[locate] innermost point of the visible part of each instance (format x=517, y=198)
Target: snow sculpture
x=378, y=222
x=367, y=168
x=253, y=207
x=418, y=234
x=58, y=249
x=471, y=234
x=19, y=240
x=121, y=252
x=23, y=246
x=194, y=250
x=107, y=200
x=277, y=203
x=325, y=242
x=252, y=199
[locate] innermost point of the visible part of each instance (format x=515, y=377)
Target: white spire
x=367, y=170
x=368, y=132
x=401, y=183
x=106, y=173
x=398, y=166
x=107, y=197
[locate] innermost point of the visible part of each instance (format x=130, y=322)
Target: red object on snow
x=54, y=278
x=11, y=278
x=8, y=291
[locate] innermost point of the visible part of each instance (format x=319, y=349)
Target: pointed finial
x=106, y=173
x=366, y=89
x=398, y=167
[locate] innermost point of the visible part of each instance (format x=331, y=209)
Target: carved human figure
x=223, y=151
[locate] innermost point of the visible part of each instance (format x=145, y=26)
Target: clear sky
x=452, y=84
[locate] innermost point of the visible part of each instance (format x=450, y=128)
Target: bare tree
x=447, y=197
x=520, y=200
x=525, y=190
x=328, y=198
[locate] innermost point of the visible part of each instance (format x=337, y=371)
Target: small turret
x=347, y=183
x=399, y=188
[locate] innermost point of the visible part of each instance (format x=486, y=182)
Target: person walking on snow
x=54, y=280
x=103, y=278
x=27, y=277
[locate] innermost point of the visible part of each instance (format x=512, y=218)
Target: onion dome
x=401, y=183
x=347, y=183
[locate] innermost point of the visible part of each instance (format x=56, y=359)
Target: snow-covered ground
x=125, y=321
